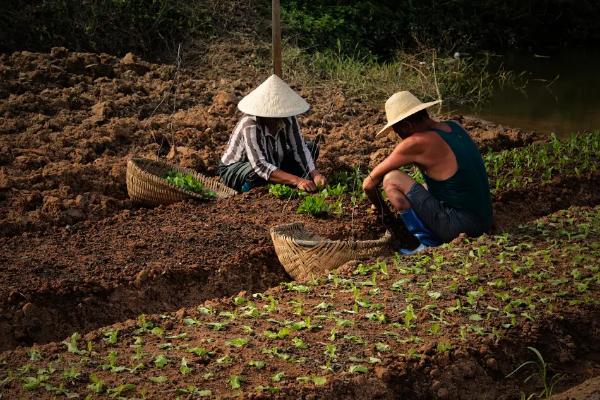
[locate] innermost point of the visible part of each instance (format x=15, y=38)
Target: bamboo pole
x=276, y=30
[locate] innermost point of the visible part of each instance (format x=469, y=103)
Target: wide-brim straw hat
x=273, y=99
x=401, y=105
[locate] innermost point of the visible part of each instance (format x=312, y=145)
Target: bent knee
x=397, y=181
x=391, y=180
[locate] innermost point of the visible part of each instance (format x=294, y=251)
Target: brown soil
x=72, y=239
x=588, y=390
x=549, y=313
x=69, y=121
x=78, y=255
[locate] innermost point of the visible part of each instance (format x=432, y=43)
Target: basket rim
x=134, y=161
x=278, y=231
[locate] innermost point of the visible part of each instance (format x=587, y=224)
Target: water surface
x=562, y=94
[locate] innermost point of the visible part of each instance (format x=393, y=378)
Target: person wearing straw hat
x=266, y=145
x=457, y=199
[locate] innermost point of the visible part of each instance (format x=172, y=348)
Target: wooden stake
x=276, y=39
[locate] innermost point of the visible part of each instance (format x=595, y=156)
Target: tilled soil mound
x=69, y=121
x=77, y=254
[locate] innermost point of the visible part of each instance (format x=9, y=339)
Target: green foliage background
x=384, y=26
x=376, y=27
x=112, y=26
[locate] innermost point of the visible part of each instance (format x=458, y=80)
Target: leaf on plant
x=358, y=369
x=161, y=360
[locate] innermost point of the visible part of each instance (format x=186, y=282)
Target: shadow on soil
x=53, y=318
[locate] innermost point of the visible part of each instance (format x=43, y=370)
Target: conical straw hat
x=401, y=105
x=273, y=99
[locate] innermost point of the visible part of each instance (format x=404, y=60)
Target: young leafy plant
x=188, y=182
x=282, y=191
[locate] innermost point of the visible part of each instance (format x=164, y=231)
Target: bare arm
x=280, y=176
x=405, y=153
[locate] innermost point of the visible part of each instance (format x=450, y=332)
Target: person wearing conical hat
x=457, y=199
x=267, y=146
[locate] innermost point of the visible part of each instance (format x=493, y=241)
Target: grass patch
x=427, y=75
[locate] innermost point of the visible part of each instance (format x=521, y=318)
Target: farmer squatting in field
x=266, y=145
x=458, y=196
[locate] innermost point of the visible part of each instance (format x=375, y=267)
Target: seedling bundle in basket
x=157, y=182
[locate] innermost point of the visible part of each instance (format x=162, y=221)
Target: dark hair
x=417, y=117
x=413, y=119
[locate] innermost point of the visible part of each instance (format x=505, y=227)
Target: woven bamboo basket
x=145, y=183
x=305, y=255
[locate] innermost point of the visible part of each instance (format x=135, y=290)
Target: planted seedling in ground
x=542, y=373
x=317, y=205
x=282, y=191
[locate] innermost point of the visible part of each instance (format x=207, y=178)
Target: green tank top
x=468, y=189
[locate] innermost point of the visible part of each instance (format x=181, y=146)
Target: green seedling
x=317, y=205
x=112, y=363
x=34, y=354
x=382, y=347
x=205, y=310
x=71, y=374
x=217, y=326
x=190, y=183
x=299, y=343
x=72, y=343
x=235, y=381
x=295, y=287
x=226, y=359
x=160, y=361
x=201, y=352
x=323, y=306
x=280, y=334
x=297, y=306
x=194, y=391
x=184, y=367
x=354, y=339
x=237, y=342
x=443, y=347
x=111, y=336
x=542, y=373
x=119, y=390
x=278, y=377
x=97, y=385
x=158, y=379
x=282, y=191
x=330, y=350
x=258, y=364
x=358, y=369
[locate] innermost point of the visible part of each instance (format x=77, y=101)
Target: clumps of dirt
x=93, y=273
x=69, y=121
x=442, y=324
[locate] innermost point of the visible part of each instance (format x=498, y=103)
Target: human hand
x=320, y=180
x=306, y=185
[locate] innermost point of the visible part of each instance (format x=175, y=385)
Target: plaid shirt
x=253, y=142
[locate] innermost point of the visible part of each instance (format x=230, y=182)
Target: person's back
x=455, y=173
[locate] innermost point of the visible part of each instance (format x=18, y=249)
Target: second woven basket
x=305, y=255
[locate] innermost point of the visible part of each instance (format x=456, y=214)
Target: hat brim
x=405, y=115
x=272, y=112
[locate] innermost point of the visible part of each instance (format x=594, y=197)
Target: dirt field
x=78, y=255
